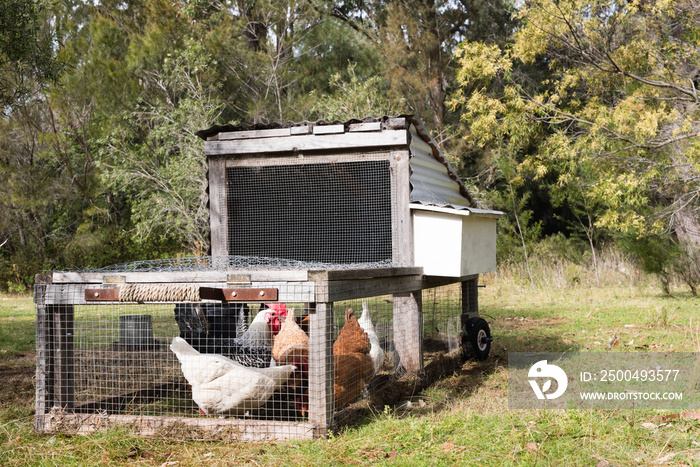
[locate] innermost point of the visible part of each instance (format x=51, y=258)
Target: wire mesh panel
x=272, y=370
x=442, y=308
x=336, y=212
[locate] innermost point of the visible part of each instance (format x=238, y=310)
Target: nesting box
x=329, y=220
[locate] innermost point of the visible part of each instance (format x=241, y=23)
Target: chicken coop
x=344, y=258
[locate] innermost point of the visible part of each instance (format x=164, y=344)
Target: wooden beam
x=301, y=291
x=329, y=129
x=366, y=126
x=301, y=130
x=396, y=123
x=365, y=273
x=430, y=282
x=218, y=428
x=44, y=359
x=217, y=206
x=250, y=134
x=307, y=143
x=402, y=248
x=188, y=277
x=334, y=291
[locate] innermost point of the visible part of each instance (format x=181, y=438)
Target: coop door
x=335, y=212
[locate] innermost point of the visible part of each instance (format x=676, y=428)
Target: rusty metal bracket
x=239, y=295
x=102, y=295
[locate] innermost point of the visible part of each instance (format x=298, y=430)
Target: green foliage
x=608, y=126
x=26, y=50
x=573, y=123
x=354, y=98
x=654, y=254
x=156, y=158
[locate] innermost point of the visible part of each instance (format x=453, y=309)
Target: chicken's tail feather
x=180, y=347
x=365, y=320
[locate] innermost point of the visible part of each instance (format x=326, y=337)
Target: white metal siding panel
x=437, y=241
x=450, y=245
x=478, y=244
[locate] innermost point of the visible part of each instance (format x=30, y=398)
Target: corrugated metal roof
x=433, y=181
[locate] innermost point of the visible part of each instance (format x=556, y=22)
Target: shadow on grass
x=448, y=372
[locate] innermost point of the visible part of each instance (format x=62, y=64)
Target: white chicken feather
x=221, y=385
x=376, y=352
x=258, y=333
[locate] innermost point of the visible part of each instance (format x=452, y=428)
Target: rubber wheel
x=477, y=340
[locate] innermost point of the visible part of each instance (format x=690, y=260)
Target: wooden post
x=320, y=368
x=408, y=332
x=408, y=307
x=64, y=358
x=217, y=207
x=470, y=299
x=44, y=355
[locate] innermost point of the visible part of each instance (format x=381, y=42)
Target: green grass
x=463, y=419
x=17, y=325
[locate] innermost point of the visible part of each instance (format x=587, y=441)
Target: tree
x=620, y=96
x=353, y=98
x=417, y=38
x=156, y=158
x=26, y=50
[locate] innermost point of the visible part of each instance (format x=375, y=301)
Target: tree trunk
x=686, y=224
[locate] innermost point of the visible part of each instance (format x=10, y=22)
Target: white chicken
x=376, y=352
x=223, y=386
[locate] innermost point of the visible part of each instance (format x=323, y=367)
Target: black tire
x=477, y=341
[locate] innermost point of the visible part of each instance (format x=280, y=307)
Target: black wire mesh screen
x=338, y=212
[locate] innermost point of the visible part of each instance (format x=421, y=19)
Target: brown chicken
x=352, y=365
x=292, y=345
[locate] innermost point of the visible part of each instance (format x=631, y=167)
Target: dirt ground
x=17, y=373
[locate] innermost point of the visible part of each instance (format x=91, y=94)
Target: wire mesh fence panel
x=442, y=308
x=294, y=363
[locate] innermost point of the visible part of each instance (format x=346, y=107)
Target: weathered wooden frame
x=320, y=288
